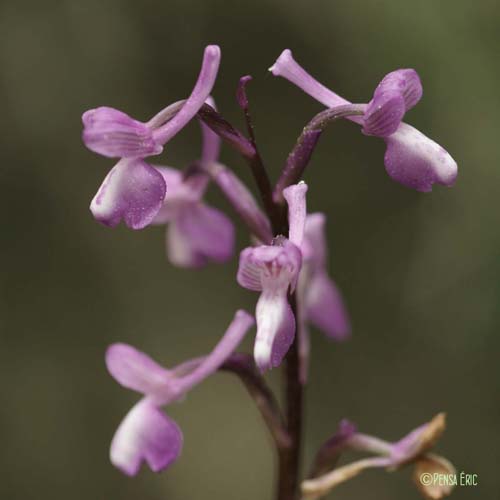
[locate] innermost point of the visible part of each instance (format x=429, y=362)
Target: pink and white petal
x=304, y=351
x=242, y=201
x=135, y=370
x=414, y=160
x=295, y=196
x=314, y=246
x=325, y=307
x=174, y=181
x=133, y=191
x=287, y=67
x=278, y=263
x=171, y=175
x=199, y=94
x=404, y=81
x=384, y=113
x=252, y=260
x=112, y=133
x=303, y=332
x=146, y=434
x=209, y=232
x=275, y=329
x=180, y=251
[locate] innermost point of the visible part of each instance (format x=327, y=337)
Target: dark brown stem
x=289, y=459
x=243, y=366
x=299, y=157
x=247, y=149
x=288, y=435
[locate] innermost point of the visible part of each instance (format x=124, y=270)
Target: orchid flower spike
x=411, y=158
x=147, y=434
x=273, y=270
x=196, y=233
x=134, y=191
x=319, y=299
x=414, y=448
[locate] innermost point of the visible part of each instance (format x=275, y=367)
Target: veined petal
x=132, y=191
x=229, y=342
x=200, y=93
x=384, y=113
x=135, y=370
x=181, y=192
x=145, y=435
x=416, y=161
x=112, y=133
x=200, y=234
x=295, y=196
x=324, y=307
x=277, y=264
x=275, y=328
x=404, y=81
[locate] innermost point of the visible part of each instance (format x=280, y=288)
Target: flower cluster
x=286, y=262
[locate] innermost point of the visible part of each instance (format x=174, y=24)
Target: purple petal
x=384, y=114
x=200, y=234
x=242, y=201
x=286, y=67
x=325, y=308
x=145, y=435
x=274, y=270
x=406, y=82
x=278, y=264
x=303, y=333
x=296, y=198
x=200, y=93
x=275, y=329
x=175, y=193
x=414, y=160
x=231, y=339
x=137, y=371
x=182, y=192
x=114, y=134
x=314, y=247
x=418, y=441
x=132, y=191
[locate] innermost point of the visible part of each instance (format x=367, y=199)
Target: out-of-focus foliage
x=420, y=272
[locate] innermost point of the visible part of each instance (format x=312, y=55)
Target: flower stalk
x=300, y=156
x=243, y=366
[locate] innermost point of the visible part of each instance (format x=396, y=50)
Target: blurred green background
x=420, y=272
